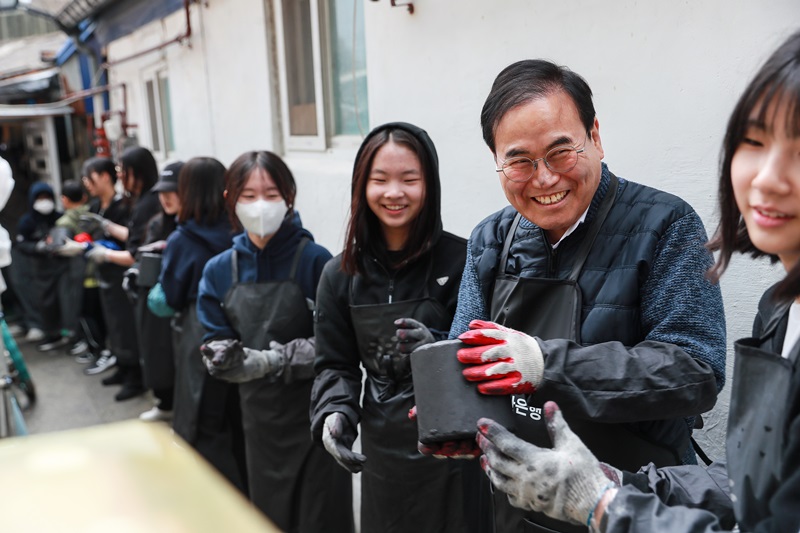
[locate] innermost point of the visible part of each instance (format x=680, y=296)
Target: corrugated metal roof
x=68, y=13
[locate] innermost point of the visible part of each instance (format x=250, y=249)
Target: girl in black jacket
x=397, y=263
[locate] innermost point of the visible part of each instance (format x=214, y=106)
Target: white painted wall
x=665, y=77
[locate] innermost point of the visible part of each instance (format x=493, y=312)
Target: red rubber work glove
x=507, y=361
x=455, y=449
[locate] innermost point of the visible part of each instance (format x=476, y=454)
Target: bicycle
x=14, y=378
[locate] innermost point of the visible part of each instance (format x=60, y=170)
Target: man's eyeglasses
x=559, y=159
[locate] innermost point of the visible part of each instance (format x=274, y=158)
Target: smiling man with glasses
x=588, y=290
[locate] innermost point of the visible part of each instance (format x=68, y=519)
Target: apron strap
x=234, y=267
x=507, y=244
x=594, y=229
x=300, y=247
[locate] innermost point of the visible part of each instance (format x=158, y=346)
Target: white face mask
x=261, y=218
x=44, y=206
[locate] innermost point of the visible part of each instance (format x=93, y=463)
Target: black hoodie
x=34, y=226
x=338, y=363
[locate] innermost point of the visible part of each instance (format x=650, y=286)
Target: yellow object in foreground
x=125, y=477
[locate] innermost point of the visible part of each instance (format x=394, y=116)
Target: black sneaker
x=103, y=363
x=117, y=378
x=128, y=391
x=52, y=343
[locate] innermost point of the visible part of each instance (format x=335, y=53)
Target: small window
x=322, y=66
x=159, y=114
x=348, y=59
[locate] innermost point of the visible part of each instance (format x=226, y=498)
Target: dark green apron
x=296, y=484
x=401, y=489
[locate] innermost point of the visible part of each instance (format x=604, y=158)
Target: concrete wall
x=665, y=77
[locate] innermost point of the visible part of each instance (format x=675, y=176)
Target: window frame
x=316, y=142
x=166, y=139
x=323, y=90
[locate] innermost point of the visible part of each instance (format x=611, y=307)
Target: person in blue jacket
x=256, y=302
x=205, y=410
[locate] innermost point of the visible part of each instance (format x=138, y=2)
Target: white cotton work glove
x=565, y=482
x=98, y=254
x=504, y=360
x=228, y=360
x=338, y=437
x=71, y=248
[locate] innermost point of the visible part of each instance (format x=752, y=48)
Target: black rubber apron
x=762, y=382
x=155, y=345
x=551, y=309
x=118, y=313
x=296, y=484
x=191, y=373
x=205, y=412
x=401, y=489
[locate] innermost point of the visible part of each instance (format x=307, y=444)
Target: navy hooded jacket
x=34, y=226
x=188, y=250
x=270, y=264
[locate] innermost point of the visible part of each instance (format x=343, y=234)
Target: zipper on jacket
x=552, y=255
x=390, y=275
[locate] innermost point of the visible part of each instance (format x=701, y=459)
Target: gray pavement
x=69, y=399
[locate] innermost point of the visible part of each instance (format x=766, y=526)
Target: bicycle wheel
x=18, y=369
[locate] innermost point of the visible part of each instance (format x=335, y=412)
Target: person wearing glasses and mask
x=588, y=290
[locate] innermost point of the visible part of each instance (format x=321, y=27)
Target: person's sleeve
x=209, y=303
x=175, y=275
x=690, y=486
x=632, y=511
x=679, y=367
x=471, y=302
x=337, y=365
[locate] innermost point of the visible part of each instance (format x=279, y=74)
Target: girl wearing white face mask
x=256, y=302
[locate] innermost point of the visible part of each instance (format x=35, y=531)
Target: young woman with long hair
x=399, y=271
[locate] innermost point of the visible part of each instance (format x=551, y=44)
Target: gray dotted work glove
x=228, y=360
x=338, y=437
x=410, y=335
x=298, y=356
x=565, y=482
x=92, y=223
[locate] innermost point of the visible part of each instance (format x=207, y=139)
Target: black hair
x=200, y=189
x=73, y=191
x=528, y=80
x=243, y=167
x=141, y=162
x=100, y=165
x=364, y=232
x=777, y=82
